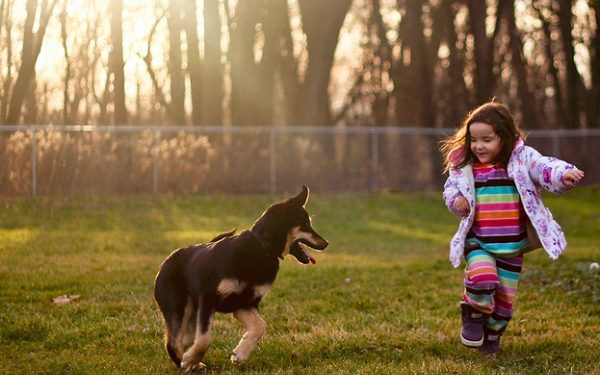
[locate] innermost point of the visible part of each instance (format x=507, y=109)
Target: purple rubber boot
x=491, y=342
x=473, y=320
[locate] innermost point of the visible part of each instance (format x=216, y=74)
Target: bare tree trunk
x=175, y=71
x=116, y=62
x=7, y=83
x=89, y=80
x=572, y=76
x=105, y=99
x=213, y=91
x=30, y=115
x=2, y=7
x=32, y=44
x=190, y=23
x=274, y=20
x=383, y=60
x=413, y=90
x=552, y=69
x=67, y=80
x=457, y=98
x=158, y=90
x=594, y=97
x=321, y=22
x=244, y=80
x=526, y=97
x=420, y=70
x=288, y=70
x=484, y=49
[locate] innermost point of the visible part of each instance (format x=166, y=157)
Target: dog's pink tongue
x=312, y=260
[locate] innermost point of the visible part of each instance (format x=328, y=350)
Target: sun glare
x=138, y=18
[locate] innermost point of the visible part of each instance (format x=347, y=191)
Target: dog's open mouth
x=298, y=250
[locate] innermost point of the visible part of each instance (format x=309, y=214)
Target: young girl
x=494, y=186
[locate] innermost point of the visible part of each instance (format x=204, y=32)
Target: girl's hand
x=572, y=177
x=461, y=206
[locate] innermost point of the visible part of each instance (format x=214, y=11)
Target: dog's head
x=286, y=226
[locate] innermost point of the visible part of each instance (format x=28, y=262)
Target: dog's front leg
x=194, y=354
x=255, y=328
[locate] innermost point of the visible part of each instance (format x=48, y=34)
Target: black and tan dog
x=230, y=274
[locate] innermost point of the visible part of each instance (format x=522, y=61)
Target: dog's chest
x=235, y=287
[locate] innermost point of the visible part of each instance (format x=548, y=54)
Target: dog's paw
x=194, y=367
x=237, y=358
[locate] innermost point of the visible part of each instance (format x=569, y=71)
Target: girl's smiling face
x=485, y=143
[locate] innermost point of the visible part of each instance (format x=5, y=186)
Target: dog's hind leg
x=188, y=329
x=255, y=328
x=194, y=354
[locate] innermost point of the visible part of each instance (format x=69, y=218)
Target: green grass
x=382, y=299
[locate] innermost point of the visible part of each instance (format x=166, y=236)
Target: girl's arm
x=572, y=177
x=457, y=204
x=554, y=175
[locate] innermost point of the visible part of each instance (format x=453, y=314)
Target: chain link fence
x=112, y=160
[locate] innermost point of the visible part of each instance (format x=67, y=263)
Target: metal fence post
x=555, y=146
x=33, y=165
x=155, y=161
x=272, y=161
x=374, y=160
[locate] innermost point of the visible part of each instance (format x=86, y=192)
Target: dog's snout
x=325, y=243
x=320, y=243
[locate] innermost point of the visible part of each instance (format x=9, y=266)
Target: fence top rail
x=228, y=129
x=413, y=130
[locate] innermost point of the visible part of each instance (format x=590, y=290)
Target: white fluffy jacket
x=530, y=171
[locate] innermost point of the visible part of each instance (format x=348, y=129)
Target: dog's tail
x=175, y=324
x=170, y=293
x=173, y=353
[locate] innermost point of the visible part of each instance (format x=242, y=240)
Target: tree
x=212, y=68
x=244, y=74
x=572, y=79
x=527, y=99
x=321, y=22
x=32, y=45
x=552, y=70
x=456, y=99
x=67, y=81
x=2, y=6
x=177, y=87
x=484, y=46
x=413, y=78
x=194, y=65
x=594, y=97
x=116, y=63
x=5, y=15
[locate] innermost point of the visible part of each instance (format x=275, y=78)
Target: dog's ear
x=302, y=197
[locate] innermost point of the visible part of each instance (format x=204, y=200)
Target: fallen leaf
x=65, y=298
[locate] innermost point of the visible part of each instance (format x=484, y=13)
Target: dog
x=230, y=274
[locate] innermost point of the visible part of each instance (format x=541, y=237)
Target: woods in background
x=298, y=62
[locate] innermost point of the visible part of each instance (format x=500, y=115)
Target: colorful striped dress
x=500, y=225
x=494, y=243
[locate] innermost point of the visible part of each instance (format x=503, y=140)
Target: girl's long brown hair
x=493, y=113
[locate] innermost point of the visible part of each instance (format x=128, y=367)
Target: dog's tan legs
x=255, y=328
x=194, y=354
x=187, y=332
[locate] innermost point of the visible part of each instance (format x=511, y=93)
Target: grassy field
x=382, y=299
